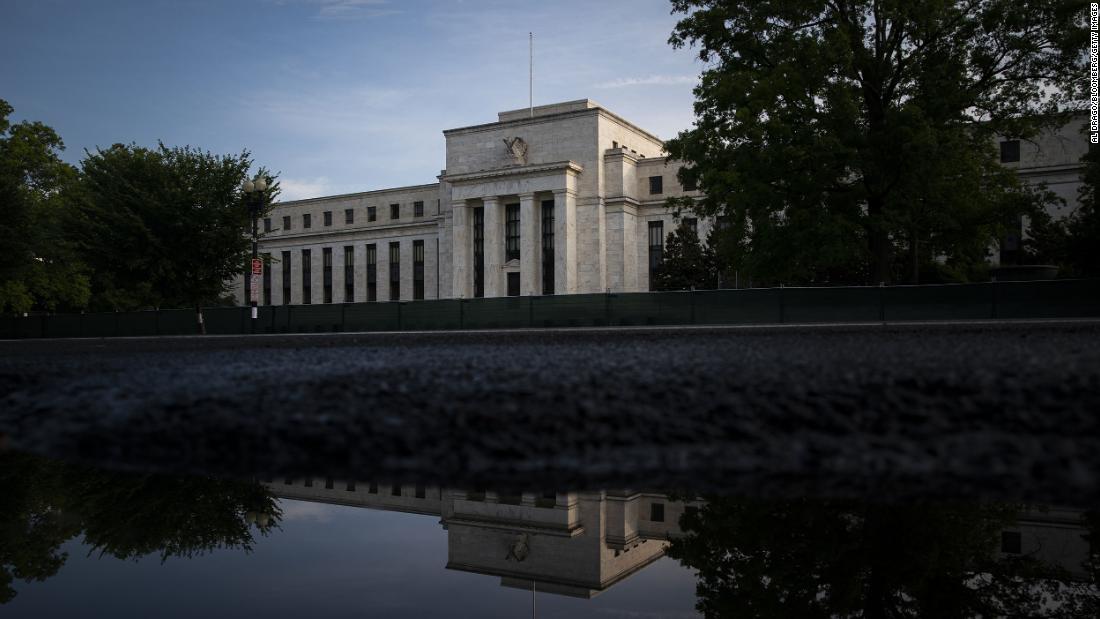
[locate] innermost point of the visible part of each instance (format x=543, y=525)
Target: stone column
x=565, y=241
x=494, y=246
x=461, y=242
x=528, y=245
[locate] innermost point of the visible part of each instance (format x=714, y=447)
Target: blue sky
x=336, y=95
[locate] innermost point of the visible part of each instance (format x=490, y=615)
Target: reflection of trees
x=808, y=558
x=44, y=503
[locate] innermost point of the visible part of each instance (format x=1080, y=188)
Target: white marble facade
x=604, y=179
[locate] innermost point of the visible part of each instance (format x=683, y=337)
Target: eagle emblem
x=517, y=148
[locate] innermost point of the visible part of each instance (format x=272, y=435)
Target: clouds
x=652, y=80
x=350, y=9
x=300, y=189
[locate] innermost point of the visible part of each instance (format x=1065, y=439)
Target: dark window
x=689, y=184
x=326, y=273
x=1010, y=151
x=328, y=218
x=286, y=278
x=479, y=252
x=372, y=213
x=349, y=215
x=307, y=293
x=395, y=490
x=723, y=222
x=309, y=482
x=395, y=271
x=418, y=270
x=418, y=208
x=306, y=221
x=692, y=224
x=657, y=512
x=421, y=492
x=547, y=247
x=351, y=486
x=330, y=483
x=267, y=279
x=511, y=232
x=349, y=274
x=372, y=489
x=513, y=284
x=286, y=222
x=656, y=248
x=267, y=224
x=656, y=185
x=395, y=211
x=1011, y=542
x=288, y=481
x=372, y=272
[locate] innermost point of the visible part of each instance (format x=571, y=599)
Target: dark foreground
x=1005, y=411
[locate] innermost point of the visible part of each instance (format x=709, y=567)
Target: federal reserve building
x=566, y=198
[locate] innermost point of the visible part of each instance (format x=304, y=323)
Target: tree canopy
x=687, y=263
x=849, y=140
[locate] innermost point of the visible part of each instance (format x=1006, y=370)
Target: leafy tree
x=1072, y=242
x=38, y=265
x=164, y=226
x=686, y=262
x=847, y=139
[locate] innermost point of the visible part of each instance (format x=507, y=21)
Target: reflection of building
x=1052, y=536
x=569, y=543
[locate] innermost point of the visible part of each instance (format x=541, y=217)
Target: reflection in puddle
x=329, y=546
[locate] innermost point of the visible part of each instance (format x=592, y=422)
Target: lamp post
x=254, y=195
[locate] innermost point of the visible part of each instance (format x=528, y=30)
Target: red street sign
x=257, y=266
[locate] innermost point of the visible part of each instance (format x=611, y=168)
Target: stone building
x=559, y=199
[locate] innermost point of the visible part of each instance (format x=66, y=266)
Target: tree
x=38, y=265
x=686, y=263
x=1072, y=242
x=164, y=226
x=846, y=139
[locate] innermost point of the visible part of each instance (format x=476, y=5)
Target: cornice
x=525, y=170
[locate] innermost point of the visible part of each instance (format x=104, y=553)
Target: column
x=529, y=283
x=461, y=243
x=494, y=246
x=565, y=241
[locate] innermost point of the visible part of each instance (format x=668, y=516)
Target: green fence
x=994, y=300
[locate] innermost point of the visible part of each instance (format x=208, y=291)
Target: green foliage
x=163, y=227
x=686, y=263
x=846, y=140
x=39, y=268
x=1072, y=242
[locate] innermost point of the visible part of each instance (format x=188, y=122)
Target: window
x=349, y=274
x=547, y=247
x=309, y=482
x=692, y=224
x=328, y=218
x=372, y=489
x=267, y=224
x=656, y=248
x=479, y=252
x=511, y=232
x=395, y=211
x=330, y=483
x=286, y=222
x=349, y=215
x=1010, y=151
x=513, y=284
x=372, y=272
x=421, y=491
x=267, y=279
x=326, y=274
x=286, y=278
x=395, y=490
x=723, y=222
x=395, y=271
x=372, y=213
x=689, y=185
x=351, y=486
x=1011, y=542
x=656, y=185
x=657, y=512
x=306, y=221
x=418, y=270
x=307, y=293
x=418, y=208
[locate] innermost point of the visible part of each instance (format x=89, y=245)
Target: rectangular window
x=395, y=271
x=395, y=490
x=479, y=252
x=328, y=218
x=511, y=232
x=350, y=486
x=330, y=483
x=656, y=185
x=372, y=272
x=307, y=292
x=286, y=278
x=513, y=284
x=267, y=224
x=418, y=270
x=656, y=248
x=689, y=185
x=309, y=482
x=421, y=491
x=326, y=274
x=547, y=247
x=267, y=279
x=286, y=222
x=372, y=488
x=349, y=215
x=349, y=274
x=372, y=213
x=657, y=512
x=418, y=208
x=1010, y=151
x=692, y=224
x=306, y=221
x=395, y=211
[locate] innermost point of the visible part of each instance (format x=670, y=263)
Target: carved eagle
x=517, y=148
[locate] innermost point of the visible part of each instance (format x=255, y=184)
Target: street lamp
x=254, y=196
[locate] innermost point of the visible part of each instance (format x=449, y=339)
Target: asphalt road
x=1006, y=411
